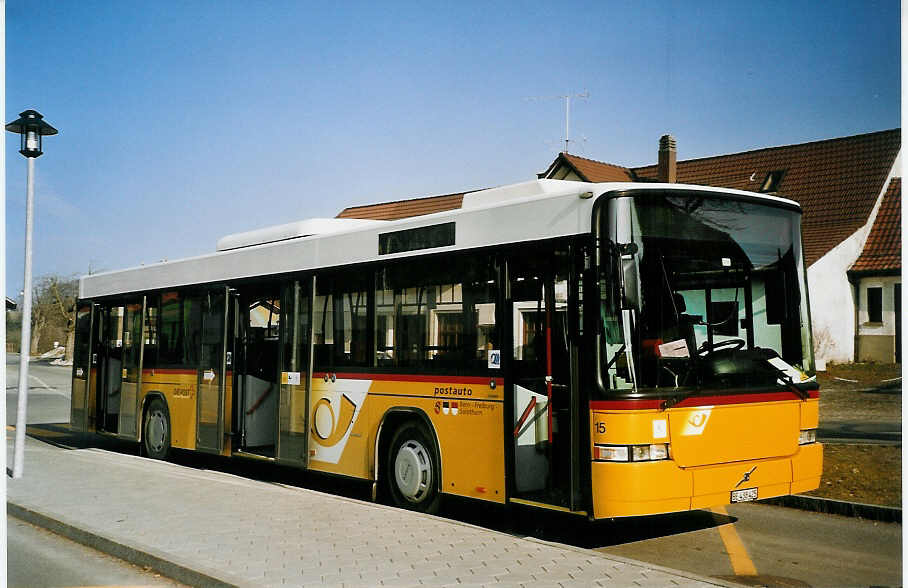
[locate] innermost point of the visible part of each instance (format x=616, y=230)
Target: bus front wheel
x=412, y=469
x=156, y=437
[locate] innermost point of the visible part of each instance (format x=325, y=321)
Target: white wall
x=887, y=327
x=832, y=296
x=832, y=299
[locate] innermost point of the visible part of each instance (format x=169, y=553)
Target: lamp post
x=31, y=126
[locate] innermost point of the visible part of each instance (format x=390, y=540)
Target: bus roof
x=528, y=211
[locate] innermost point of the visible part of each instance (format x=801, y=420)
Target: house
x=876, y=277
x=850, y=192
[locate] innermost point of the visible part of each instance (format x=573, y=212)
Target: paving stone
x=265, y=534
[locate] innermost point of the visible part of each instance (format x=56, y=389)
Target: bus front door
x=212, y=371
x=540, y=378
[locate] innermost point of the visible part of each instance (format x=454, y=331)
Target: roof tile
x=598, y=171
x=883, y=249
x=404, y=208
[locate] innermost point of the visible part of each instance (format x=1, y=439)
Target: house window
x=875, y=305
x=772, y=181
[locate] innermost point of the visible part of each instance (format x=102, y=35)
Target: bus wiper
x=790, y=383
x=783, y=372
x=676, y=399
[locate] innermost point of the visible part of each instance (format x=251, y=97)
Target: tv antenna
x=567, y=111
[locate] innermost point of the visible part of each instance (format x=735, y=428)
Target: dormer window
x=772, y=181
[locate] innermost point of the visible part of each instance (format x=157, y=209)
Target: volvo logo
x=746, y=477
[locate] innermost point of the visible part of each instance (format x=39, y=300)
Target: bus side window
x=150, y=333
x=436, y=315
x=384, y=319
x=480, y=293
x=170, y=337
x=323, y=321
x=351, y=327
x=341, y=318
x=177, y=334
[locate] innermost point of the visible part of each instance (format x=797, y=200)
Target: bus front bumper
x=635, y=489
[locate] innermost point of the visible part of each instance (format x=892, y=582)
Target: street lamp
x=31, y=126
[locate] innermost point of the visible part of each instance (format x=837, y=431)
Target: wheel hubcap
x=155, y=431
x=413, y=471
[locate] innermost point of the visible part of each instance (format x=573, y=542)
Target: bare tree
x=54, y=312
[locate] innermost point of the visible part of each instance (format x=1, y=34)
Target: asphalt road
x=48, y=391
x=772, y=545
x=37, y=558
x=874, y=432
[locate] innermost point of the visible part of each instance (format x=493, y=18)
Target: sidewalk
x=209, y=528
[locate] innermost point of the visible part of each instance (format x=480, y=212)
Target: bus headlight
x=611, y=453
x=630, y=453
x=807, y=436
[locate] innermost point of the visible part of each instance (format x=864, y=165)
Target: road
x=751, y=543
x=37, y=558
x=761, y=544
x=48, y=391
x=876, y=432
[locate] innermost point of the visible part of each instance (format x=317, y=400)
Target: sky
x=181, y=122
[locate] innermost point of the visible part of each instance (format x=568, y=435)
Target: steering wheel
x=735, y=344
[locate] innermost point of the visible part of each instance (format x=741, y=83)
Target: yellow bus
x=610, y=350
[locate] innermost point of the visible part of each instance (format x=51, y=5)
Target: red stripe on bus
x=648, y=403
x=478, y=380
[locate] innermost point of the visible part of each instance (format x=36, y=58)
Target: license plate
x=744, y=495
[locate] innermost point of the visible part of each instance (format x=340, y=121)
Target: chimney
x=667, y=155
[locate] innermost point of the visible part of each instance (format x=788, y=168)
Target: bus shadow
x=579, y=531
x=517, y=520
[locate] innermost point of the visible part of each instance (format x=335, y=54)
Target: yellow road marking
x=737, y=553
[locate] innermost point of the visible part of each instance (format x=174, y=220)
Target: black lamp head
x=31, y=126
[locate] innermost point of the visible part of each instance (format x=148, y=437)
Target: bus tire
x=156, y=430
x=412, y=472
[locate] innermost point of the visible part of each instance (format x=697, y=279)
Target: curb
x=873, y=512
x=138, y=555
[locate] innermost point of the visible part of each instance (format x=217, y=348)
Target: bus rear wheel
x=412, y=472
x=156, y=432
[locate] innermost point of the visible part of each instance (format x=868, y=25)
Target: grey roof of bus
x=523, y=205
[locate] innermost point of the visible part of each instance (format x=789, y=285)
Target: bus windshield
x=702, y=291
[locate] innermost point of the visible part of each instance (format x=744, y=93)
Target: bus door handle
x=523, y=418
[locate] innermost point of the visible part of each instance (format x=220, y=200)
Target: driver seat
x=686, y=324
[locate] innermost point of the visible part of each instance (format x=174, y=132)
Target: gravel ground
x=871, y=474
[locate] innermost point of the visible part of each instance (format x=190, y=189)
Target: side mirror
x=627, y=267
